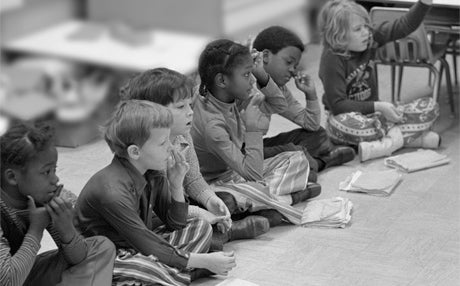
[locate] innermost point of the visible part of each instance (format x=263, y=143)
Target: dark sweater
x=350, y=83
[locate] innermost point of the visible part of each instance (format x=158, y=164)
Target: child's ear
x=11, y=177
x=266, y=56
x=220, y=80
x=133, y=152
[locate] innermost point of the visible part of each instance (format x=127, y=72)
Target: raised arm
x=390, y=31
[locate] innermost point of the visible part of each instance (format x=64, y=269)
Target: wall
x=37, y=14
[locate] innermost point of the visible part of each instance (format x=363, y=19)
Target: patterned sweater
x=350, y=83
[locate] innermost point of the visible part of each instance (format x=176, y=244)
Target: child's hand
x=305, y=83
x=208, y=216
x=391, y=113
x=258, y=68
x=217, y=207
x=254, y=119
x=220, y=262
x=61, y=213
x=39, y=218
x=177, y=168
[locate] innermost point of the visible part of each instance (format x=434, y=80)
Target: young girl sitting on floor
x=227, y=130
x=357, y=117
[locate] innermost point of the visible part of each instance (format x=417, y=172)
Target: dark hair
x=132, y=122
x=219, y=56
x=276, y=38
x=160, y=85
x=23, y=141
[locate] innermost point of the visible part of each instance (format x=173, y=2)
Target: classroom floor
x=409, y=238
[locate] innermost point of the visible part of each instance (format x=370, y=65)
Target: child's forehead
x=356, y=19
x=43, y=158
x=290, y=51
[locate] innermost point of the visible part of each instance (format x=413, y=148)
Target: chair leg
x=449, y=83
x=400, y=75
x=393, y=71
x=454, y=60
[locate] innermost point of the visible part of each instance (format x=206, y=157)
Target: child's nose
x=252, y=80
x=54, y=179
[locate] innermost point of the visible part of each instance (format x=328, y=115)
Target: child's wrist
x=311, y=95
x=262, y=80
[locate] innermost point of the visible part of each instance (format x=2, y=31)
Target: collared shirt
x=221, y=141
x=125, y=206
x=18, y=249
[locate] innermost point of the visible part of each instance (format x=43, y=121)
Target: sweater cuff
x=33, y=242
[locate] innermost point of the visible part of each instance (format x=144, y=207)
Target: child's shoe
x=274, y=217
x=339, y=156
x=249, y=227
x=381, y=148
x=312, y=190
x=428, y=140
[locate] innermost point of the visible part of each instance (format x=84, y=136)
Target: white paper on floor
x=417, y=160
x=377, y=183
x=334, y=213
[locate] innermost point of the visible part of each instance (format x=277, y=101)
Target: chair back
x=413, y=49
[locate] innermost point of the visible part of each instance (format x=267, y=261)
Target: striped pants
x=353, y=127
x=133, y=268
x=284, y=174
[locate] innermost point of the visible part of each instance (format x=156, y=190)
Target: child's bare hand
x=258, y=67
x=254, y=119
x=177, y=168
x=305, y=83
x=39, y=218
x=61, y=213
x=220, y=262
x=388, y=110
x=217, y=207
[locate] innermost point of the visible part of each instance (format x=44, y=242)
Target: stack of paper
x=418, y=160
x=377, y=183
x=333, y=212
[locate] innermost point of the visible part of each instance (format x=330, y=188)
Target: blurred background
x=64, y=60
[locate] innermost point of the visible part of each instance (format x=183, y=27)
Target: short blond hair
x=334, y=23
x=132, y=122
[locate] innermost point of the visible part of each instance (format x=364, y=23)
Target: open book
x=377, y=183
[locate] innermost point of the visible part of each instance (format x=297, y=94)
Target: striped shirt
x=18, y=249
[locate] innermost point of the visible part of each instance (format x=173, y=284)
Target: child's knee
x=203, y=227
x=101, y=245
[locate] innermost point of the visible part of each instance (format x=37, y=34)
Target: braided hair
x=23, y=141
x=219, y=56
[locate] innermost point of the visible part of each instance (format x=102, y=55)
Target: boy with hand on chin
x=138, y=202
x=282, y=51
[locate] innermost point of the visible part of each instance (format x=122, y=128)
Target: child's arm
x=197, y=188
x=332, y=73
x=15, y=268
x=274, y=101
x=308, y=117
x=63, y=231
x=391, y=31
x=249, y=164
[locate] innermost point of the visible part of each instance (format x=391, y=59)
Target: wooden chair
x=415, y=50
